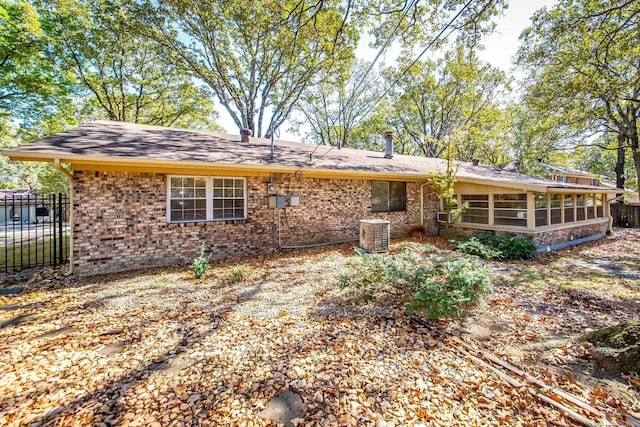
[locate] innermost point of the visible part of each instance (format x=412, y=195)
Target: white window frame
x=209, y=198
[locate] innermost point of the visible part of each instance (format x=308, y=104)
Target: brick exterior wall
x=120, y=219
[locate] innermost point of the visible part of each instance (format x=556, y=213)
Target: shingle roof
x=568, y=171
x=126, y=142
x=16, y=194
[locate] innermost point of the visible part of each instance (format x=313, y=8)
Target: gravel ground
x=160, y=348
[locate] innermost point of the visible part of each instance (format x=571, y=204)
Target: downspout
x=69, y=176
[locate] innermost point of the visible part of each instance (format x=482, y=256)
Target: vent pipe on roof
x=245, y=135
x=475, y=162
x=388, y=145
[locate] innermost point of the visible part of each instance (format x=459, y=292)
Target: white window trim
x=209, y=198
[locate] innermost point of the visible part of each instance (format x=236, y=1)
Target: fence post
x=54, y=256
x=60, y=228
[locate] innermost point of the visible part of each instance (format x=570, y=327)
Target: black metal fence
x=34, y=231
x=625, y=215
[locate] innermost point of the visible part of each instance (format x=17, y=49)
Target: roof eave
x=502, y=183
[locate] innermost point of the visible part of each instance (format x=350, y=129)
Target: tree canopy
x=124, y=75
x=31, y=84
x=257, y=57
x=582, y=60
x=272, y=63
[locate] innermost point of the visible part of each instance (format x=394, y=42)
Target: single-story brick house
x=145, y=195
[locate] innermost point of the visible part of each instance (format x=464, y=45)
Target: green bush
x=372, y=274
x=432, y=286
x=474, y=246
x=201, y=264
x=428, y=248
x=237, y=273
x=502, y=248
x=449, y=289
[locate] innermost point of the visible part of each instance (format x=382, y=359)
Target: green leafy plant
x=474, y=246
x=502, y=248
x=371, y=274
x=429, y=248
x=449, y=288
x=237, y=273
x=201, y=264
x=432, y=286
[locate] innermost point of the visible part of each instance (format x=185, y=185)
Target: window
x=193, y=199
x=541, y=209
x=449, y=205
x=477, y=208
x=580, y=204
x=599, y=206
x=591, y=213
x=388, y=196
x=228, y=198
x=568, y=208
x=556, y=208
x=510, y=209
x=188, y=199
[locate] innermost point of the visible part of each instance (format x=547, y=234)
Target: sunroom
x=554, y=216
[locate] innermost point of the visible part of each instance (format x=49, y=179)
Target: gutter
x=69, y=176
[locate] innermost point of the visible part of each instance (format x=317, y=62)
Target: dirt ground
x=157, y=347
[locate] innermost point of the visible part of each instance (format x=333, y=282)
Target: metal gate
x=625, y=215
x=34, y=230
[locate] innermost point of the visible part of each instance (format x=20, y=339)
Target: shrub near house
x=502, y=248
x=433, y=286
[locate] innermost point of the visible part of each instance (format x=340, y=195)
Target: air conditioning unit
x=442, y=217
x=374, y=235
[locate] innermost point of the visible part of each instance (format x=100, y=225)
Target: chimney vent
x=245, y=135
x=475, y=162
x=388, y=145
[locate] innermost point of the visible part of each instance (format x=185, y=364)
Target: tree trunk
x=619, y=168
x=635, y=151
x=617, y=348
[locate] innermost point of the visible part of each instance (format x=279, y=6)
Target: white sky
x=500, y=48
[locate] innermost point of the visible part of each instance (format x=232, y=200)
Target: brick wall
x=120, y=219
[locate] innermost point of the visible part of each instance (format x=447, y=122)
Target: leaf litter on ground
x=158, y=347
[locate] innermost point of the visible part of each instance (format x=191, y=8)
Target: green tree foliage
x=334, y=108
x=341, y=112
x=125, y=76
x=436, y=99
x=36, y=176
x=416, y=22
x=534, y=139
x=601, y=157
x=31, y=85
x=582, y=60
x=258, y=57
